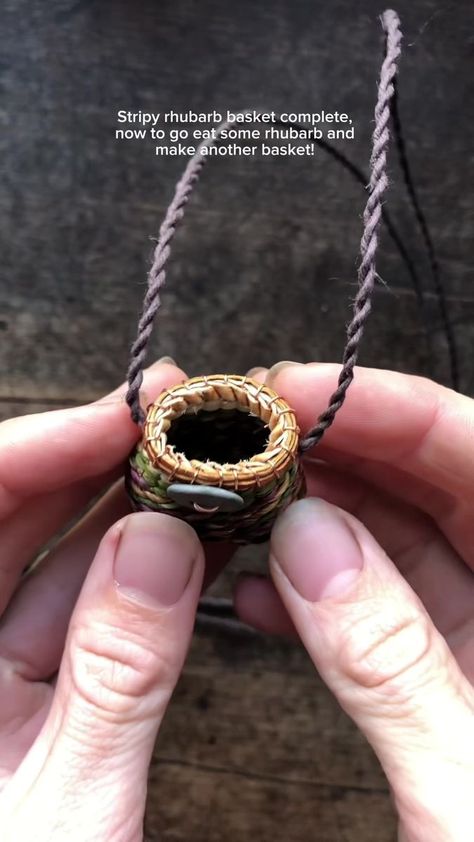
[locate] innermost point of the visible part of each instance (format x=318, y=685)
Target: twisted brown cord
x=157, y=275
x=372, y=216
x=156, y=279
x=366, y=275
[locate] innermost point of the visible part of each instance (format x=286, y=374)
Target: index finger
x=400, y=419
x=47, y=451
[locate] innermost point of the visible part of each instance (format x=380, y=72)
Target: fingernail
x=275, y=369
x=154, y=558
x=163, y=361
x=253, y=372
x=316, y=549
x=116, y=396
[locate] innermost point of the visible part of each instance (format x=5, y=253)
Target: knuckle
x=115, y=671
x=388, y=652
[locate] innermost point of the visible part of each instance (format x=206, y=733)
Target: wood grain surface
x=253, y=745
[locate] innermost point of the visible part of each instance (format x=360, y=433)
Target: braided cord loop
x=224, y=440
x=367, y=270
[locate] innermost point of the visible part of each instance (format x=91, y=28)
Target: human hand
x=75, y=749
x=393, y=639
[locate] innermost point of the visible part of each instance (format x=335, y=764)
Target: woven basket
x=220, y=452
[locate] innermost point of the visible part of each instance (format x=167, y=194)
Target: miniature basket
x=221, y=452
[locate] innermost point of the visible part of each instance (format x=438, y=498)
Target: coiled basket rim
x=226, y=391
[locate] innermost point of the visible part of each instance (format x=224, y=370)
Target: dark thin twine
x=425, y=233
x=373, y=214
x=361, y=177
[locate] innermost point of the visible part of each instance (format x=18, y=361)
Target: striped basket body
x=223, y=438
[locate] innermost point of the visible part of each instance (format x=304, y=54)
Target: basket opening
x=222, y=435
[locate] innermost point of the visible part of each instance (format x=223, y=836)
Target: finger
x=33, y=630
x=258, y=604
x=420, y=493
x=258, y=373
x=399, y=432
x=396, y=526
x=23, y=531
x=374, y=645
x=399, y=483
x=34, y=627
x=26, y=531
x=410, y=538
x=45, y=452
x=407, y=421
x=453, y=517
x=126, y=645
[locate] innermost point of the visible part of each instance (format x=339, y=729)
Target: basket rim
x=227, y=391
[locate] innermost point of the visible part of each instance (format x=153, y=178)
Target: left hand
x=113, y=614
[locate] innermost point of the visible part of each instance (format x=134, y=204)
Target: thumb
x=375, y=646
x=126, y=645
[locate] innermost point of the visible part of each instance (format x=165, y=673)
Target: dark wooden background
x=263, y=269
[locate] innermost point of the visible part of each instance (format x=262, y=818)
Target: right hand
x=377, y=580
